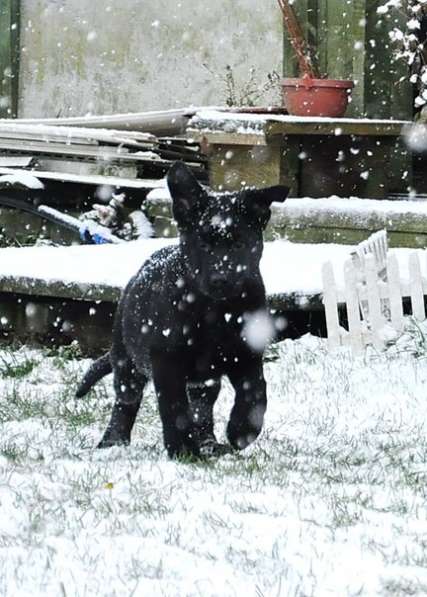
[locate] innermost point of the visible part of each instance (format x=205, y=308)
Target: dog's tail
x=99, y=369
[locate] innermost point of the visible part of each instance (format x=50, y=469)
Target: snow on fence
x=373, y=294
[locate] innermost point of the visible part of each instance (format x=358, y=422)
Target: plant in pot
x=310, y=95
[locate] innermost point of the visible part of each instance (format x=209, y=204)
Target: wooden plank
x=344, y=236
x=376, y=320
x=77, y=142
x=416, y=287
x=61, y=164
x=331, y=303
x=395, y=294
x=15, y=129
x=96, y=180
x=15, y=52
x=346, y=215
x=321, y=32
x=352, y=303
x=9, y=57
x=15, y=161
x=387, y=90
x=383, y=291
x=338, y=40
x=95, y=153
x=40, y=144
x=57, y=288
x=222, y=138
x=357, y=52
x=334, y=127
x=233, y=167
x=211, y=122
x=160, y=122
x=376, y=245
x=41, y=138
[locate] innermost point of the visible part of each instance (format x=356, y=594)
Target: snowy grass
x=331, y=500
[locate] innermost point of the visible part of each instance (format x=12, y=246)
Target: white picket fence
x=373, y=294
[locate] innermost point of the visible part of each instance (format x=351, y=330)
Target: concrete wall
x=106, y=56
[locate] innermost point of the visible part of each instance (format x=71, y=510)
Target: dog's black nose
x=218, y=281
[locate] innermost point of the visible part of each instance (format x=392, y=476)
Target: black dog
x=185, y=321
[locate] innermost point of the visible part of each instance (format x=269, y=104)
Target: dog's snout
x=218, y=280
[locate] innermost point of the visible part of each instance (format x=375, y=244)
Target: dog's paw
x=212, y=449
x=202, y=451
x=243, y=441
x=109, y=440
x=183, y=454
x=241, y=438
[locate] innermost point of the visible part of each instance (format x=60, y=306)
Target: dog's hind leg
x=129, y=385
x=247, y=414
x=202, y=397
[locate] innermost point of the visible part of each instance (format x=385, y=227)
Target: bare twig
x=297, y=39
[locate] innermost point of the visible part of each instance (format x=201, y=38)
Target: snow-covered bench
x=57, y=290
x=100, y=272
x=325, y=220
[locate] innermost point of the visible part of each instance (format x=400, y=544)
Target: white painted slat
x=395, y=293
x=352, y=303
x=331, y=306
x=380, y=247
x=383, y=291
x=416, y=287
x=372, y=281
x=385, y=247
x=376, y=321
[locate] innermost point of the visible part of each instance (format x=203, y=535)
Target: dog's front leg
x=170, y=381
x=247, y=414
x=202, y=397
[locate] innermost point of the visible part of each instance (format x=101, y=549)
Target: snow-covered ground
x=330, y=501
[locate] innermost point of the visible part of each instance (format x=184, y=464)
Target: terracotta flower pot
x=316, y=97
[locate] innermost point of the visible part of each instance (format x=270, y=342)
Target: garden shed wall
x=105, y=56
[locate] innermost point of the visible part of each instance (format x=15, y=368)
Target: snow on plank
x=94, y=179
x=291, y=272
x=288, y=269
x=64, y=134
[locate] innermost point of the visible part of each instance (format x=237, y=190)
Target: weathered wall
x=105, y=56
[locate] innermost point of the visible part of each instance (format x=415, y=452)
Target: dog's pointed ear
x=260, y=200
x=185, y=191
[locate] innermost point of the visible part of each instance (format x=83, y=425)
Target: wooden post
x=9, y=57
x=416, y=288
x=353, y=310
x=376, y=319
x=233, y=167
x=331, y=306
x=395, y=294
